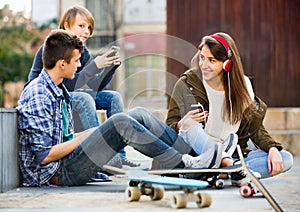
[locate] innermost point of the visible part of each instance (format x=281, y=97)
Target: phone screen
x=197, y=106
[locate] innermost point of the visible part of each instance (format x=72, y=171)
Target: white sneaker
x=210, y=159
x=230, y=144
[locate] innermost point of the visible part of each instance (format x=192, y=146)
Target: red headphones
x=227, y=65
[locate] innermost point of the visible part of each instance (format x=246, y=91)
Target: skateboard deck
x=141, y=176
x=247, y=190
x=142, y=183
x=228, y=169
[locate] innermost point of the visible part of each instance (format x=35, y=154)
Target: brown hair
x=239, y=94
x=70, y=15
x=58, y=45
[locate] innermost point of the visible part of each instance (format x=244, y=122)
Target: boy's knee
x=140, y=110
x=120, y=118
x=115, y=95
x=82, y=100
x=138, y=113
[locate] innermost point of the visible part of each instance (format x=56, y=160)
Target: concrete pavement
x=109, y=196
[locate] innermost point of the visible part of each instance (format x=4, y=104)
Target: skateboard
x=246, y=190
x=142, y=183
x=254, y=185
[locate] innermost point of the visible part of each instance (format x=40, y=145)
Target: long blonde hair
x=237, y=97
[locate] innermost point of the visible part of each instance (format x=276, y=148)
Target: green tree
x=15, y=59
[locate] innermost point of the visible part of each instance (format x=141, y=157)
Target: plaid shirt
x=40, y=127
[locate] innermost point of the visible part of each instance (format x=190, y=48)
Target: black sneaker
x=126, y=162
x=240, y=177
x=237, y=178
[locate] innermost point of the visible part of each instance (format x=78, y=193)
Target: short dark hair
x=58, y=45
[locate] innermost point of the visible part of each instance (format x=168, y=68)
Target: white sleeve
x=249, y=87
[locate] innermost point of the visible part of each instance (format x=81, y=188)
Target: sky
x=17, y=5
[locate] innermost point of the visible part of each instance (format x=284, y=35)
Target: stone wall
x=284, y=125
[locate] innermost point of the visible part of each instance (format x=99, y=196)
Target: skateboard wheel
x=204, y=200
x=246, y=190
x=219, y=184
x=133, y=194
x=179, y=201
x=157, y=193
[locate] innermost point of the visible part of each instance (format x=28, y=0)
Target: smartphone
x=115, y=50
x=197, y=106
x=201, y=108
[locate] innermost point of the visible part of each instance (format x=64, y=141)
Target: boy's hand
x=105, y=61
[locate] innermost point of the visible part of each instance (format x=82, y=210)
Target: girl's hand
x=106, y=60
x=197, y=115
x=275, y=163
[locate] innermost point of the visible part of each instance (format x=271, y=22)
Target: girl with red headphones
x=218, y=83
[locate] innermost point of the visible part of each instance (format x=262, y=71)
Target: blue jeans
x=84, y=111
x=196, y=137
x=109, y=138
x=257, y=160
x=108, y=100
x=85, y=102
x=161, y=130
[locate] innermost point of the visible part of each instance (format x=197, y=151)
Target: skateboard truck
x=216, y=182
x=137, y=189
